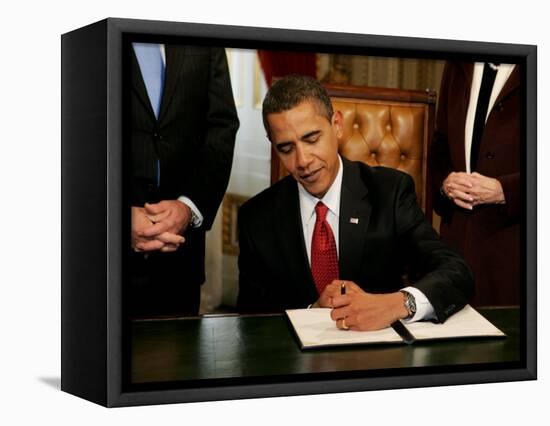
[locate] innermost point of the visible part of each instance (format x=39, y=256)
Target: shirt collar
x=331, y=198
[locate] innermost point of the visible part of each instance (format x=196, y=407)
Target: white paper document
x=465, y=323
x=315, y=328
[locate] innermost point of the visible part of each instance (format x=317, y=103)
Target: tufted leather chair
x=384, y=127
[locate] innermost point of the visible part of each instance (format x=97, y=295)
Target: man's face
x=307, y=145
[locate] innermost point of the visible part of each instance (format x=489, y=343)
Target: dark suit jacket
x=488, y=236
x=194, y=139
x=392, y=232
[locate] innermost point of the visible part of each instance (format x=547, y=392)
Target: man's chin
x=314, y=189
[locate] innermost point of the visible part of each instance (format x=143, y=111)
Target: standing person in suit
x=183, y=126
x=475, y=166
x=333, y=221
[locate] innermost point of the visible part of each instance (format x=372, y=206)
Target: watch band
x=194, y=218
x=410, y=304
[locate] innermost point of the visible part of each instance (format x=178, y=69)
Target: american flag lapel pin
x=354, y=220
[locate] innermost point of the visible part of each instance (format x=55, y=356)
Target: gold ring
x=344, y=325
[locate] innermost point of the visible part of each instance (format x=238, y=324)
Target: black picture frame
x=93, y=216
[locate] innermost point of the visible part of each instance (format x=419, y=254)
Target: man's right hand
x=165, y=242
x=359, y=310
x=458, y=188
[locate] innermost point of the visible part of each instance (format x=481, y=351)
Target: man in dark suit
x=183, y=126
x=475, y=160
x=335, y=222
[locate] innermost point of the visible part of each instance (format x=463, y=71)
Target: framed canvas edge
x=390, y=44
x=318, y=387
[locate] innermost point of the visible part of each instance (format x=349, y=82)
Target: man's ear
x=338, y=123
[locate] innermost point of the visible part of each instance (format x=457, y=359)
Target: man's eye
x=285, y=149
x=312, y=138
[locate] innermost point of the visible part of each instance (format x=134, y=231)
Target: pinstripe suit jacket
x=193, y=138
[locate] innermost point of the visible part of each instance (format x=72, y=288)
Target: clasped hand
x=468, y=190
x=159, y=227
x=360, y=310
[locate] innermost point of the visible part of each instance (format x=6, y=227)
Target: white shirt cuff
x=198, y=220
x=424, y=309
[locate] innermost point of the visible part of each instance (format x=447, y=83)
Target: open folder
x=315, y=329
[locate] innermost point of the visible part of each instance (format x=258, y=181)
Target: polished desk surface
x=245, y=346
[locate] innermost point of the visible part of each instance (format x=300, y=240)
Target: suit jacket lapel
x=511, y=84
x=138, y=85
x=468, y=75
x=174, y=62
x=468, y=71
x=290, y=227
x=355, y=210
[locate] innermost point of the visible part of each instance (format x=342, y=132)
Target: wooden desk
x=248, y=346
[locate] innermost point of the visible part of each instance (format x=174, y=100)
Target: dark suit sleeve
x=439, y=154
x=213, y=162
x=254, y=295
x=511, y=186
x=445, y=279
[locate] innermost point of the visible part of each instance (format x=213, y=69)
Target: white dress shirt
x=424, y=309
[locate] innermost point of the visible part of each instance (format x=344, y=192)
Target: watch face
x=411, y=303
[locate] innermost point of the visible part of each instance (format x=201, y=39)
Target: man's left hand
x=486, y=190
x=363, y=311
x=168, y=216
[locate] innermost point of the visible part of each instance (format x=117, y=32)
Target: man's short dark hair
x=292, y=90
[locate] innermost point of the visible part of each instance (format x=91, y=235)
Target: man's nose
x=303, y=156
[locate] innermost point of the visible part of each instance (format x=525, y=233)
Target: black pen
x=343, y=288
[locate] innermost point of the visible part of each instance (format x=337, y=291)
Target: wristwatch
x=410, y=303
